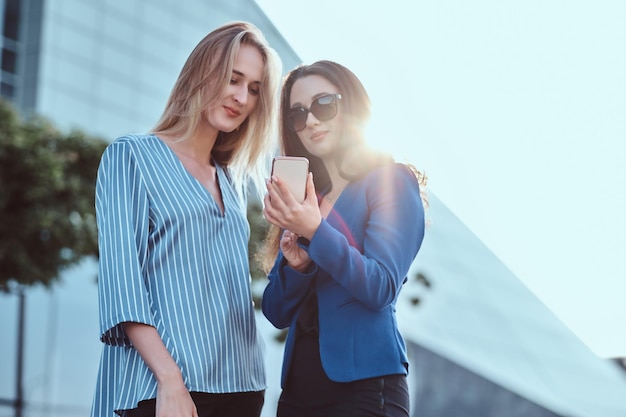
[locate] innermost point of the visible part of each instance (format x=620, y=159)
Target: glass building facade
x=106, y=67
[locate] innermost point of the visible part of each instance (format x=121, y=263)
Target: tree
x=258, y=229
x=47, y=191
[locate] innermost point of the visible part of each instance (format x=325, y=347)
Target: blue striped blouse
x=171, y=259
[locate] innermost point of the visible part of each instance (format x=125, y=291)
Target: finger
x=276, y=192
x=289, y=236
x=267, y=205
x=269, y=217
x=271, y=189
x=285, y=192
x=274, y=198
x=310, y=189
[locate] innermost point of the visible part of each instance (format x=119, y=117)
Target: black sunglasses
x=323, y=108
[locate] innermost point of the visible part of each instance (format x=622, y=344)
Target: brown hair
x=355, y=159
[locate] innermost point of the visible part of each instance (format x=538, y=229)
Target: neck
x=331, y=167
x=198, y=146
x=337, y=183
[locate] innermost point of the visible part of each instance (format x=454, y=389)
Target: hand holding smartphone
x=292, y=171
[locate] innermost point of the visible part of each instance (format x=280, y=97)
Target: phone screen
x=292, y=170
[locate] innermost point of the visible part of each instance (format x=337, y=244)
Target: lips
x=231, y=112
x=318, y=135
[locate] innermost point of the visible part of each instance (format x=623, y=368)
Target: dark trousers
x=386, y=396
x=240, y=404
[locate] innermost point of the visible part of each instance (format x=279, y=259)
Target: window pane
x=8, y=61
x=7, y=90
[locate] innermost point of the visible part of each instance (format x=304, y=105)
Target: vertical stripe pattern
x=171, y=259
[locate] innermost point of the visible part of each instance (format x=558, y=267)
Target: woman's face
x=319, y=137
x=242, y=93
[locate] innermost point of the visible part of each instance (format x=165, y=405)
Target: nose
x=241, y=95
x=311, y=120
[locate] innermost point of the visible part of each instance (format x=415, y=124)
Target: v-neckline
x=332, y=203
x=197, y=183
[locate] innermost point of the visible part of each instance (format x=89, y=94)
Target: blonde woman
x=176, y=315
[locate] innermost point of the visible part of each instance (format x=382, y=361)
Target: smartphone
x=292, y=170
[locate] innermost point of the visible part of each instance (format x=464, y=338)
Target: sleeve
x=284, y=292
x=122, y=219
x=394, y=231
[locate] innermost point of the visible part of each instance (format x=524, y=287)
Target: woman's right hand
x=281, y=208
x=296, y=257
x=173, y=400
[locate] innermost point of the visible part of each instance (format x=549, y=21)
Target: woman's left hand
x=297, y=258
x=284, y=211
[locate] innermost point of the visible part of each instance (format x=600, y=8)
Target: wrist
x=300, y=267
x=169, y=376
x=310, y=233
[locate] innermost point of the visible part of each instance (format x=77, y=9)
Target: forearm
x=147, y=341
x=384, y=261
x=173, y=398
x=283, y=294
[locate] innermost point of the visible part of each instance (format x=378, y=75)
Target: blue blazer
x=361, y=254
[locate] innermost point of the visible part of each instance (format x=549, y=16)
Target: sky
x=516, y=110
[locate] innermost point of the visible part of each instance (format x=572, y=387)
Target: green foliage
x=424, y=281
x=47, y=191
x=258, y=229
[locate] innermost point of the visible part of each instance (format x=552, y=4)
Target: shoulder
x=129, y=152
x=132, y=146
x=392, y=185
x=135, y=141
x=393, y=175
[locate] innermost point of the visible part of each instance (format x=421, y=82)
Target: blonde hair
x=247, y=150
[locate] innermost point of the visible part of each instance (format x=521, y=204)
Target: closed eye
x=255, y=88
